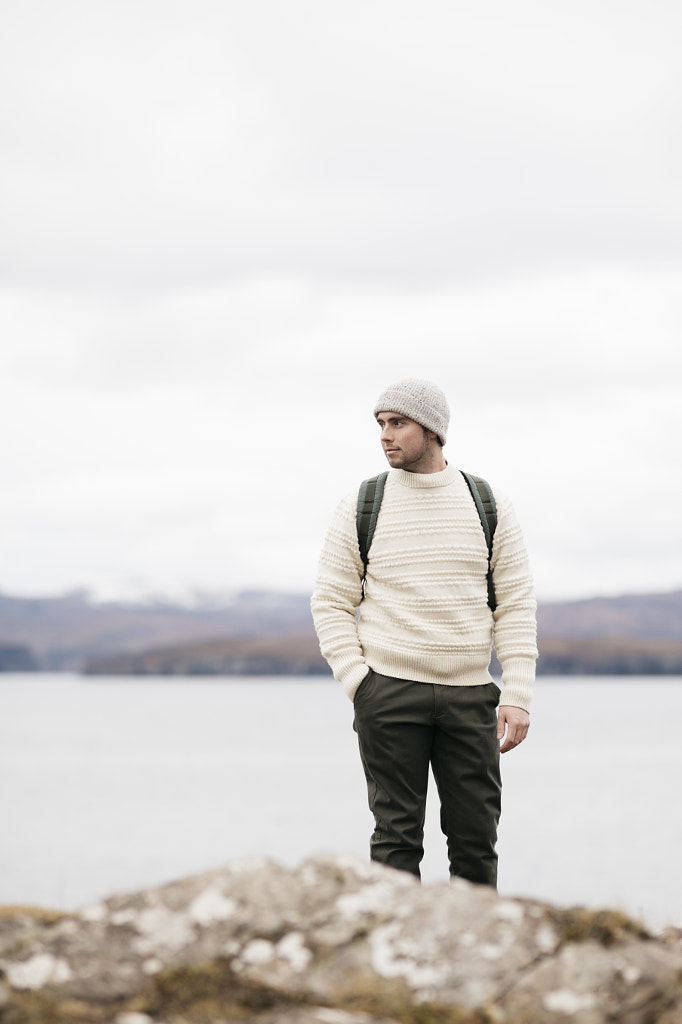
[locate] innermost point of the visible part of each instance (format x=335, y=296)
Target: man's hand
x=516, y=721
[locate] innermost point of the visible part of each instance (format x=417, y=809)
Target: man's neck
x=435, y=464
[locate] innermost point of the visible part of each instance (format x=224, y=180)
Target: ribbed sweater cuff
x=518, y=676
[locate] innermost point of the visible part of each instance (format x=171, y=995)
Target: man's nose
x=386, y=433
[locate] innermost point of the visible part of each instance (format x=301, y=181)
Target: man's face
x=406, y=444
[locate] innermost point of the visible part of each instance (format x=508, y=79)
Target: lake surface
x=112, y=784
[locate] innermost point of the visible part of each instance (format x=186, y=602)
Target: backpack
x=369, y=502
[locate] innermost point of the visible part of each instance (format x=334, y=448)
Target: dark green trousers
x=403, y=727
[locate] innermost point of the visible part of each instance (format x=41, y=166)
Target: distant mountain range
x=66, y=633
x=262, y=632
x=636, y=634
x=652, y=616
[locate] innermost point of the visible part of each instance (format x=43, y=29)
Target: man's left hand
x=516, y=722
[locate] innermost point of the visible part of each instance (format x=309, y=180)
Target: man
x=415, y=661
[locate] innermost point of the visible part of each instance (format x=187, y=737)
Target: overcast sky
x=226, y=226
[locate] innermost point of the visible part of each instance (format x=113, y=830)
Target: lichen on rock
x=333, y=941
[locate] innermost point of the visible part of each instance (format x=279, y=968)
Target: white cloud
x=178, y=439
x=154, y=146
x=227, y=226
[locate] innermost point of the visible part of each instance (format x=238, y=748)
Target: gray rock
x=334, y=941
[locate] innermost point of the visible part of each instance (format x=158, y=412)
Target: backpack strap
x=484, y=500
x=369, y=502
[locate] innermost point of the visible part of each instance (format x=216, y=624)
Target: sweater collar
x=422, y=480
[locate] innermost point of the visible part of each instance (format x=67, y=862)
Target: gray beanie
x=419, y=400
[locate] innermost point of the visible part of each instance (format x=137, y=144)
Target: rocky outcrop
x=333, y=941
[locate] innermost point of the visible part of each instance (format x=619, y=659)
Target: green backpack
x=369, y=502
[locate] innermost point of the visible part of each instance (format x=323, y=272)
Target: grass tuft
x=607, y=927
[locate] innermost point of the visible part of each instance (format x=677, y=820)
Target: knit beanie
x=420, y=401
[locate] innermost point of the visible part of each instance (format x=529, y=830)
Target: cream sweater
x=425, y=616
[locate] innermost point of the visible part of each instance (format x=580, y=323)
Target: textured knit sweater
x=425, y=616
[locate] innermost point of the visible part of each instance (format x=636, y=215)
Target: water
x=108, y=785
